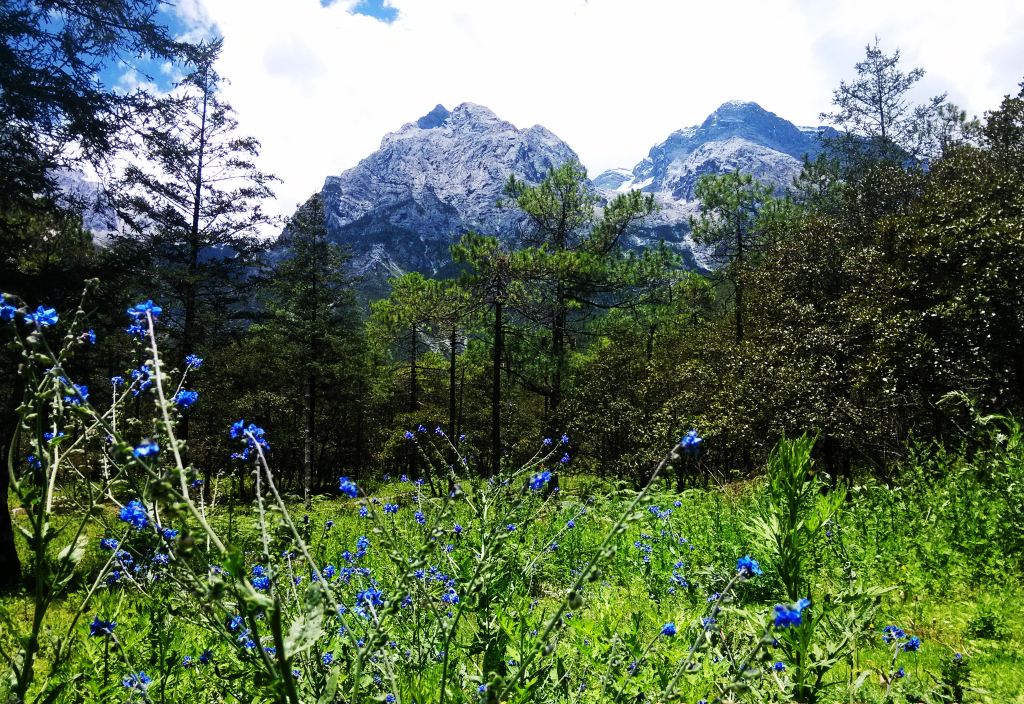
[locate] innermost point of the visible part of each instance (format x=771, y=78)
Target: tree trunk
x=738, y=279
x=191, y=284
x=308, y=415
x=413, y=400
x=558, y=350
x=10, y=565
x=452, y=354
x=496, y=391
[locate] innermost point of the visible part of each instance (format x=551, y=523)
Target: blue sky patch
x=371, y=8
x=145, y=68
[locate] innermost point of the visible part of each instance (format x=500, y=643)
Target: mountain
x=402, y=207
x=738, y=135
x=84, y=195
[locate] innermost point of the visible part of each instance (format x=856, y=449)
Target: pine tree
x=313, y=307
x=730, y=224
x=875, y=116
x=54, y=113
x=574, y=262
x=192, y=211
x=494, y=279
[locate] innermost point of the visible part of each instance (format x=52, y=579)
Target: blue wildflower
x=89, y=336
x=912, y=645
x=669, y=629
x=570, y=523
x=101, y=628
x=691, y=442
x=390, y=508
x=206, y=658
x=748, y=567
x=134, y=513
x=7, y=311
x=327, y=658
x=194, y=361
x=139, y=681
x=169, y=533
x=108, y=544
x=540, y=480
x=80, y=394
x=253, y=435
x=186, y=398
x=144, y=376
x=348, y=487
x=420, y=518
x=779, y=667
x=147, y=448
x=370, y=595
x=140, y=311
x=117, y=380
x=892, y=633
x=187, y=662
x=786, y=616
x=43, y=317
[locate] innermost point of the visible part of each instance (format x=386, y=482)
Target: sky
x=320, y=82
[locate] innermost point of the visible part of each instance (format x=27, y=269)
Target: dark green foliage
x=316, y=330
x=192, y=210
x=876, y=118
x=51, y=99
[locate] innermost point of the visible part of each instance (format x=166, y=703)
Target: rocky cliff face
x=402, y=207
x=737, y=136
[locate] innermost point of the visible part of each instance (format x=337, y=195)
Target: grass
x=931, y=539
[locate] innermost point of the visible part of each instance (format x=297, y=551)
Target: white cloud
x=320, y=86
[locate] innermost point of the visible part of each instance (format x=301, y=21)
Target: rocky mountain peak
x=402, y=207
x=434, y=118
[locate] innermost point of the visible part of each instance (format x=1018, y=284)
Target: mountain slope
x=737, y=136
x=402, y=207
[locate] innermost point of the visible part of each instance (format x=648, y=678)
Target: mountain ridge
x=401, y=207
